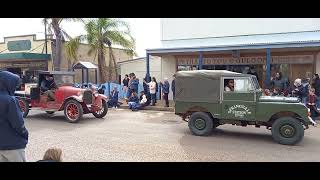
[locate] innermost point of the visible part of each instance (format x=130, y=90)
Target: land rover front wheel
x=73, y=111
x=200, y=124
x=287, y=131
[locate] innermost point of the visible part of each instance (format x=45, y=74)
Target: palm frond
x=72, y=47
x=123, y=39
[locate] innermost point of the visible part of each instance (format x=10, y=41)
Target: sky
x=146, y=31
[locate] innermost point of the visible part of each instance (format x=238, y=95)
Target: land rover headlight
x=309, y=112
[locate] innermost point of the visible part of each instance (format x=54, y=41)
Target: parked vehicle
x=72, y=100
x=202, y=101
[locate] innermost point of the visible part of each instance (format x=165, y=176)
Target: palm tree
x=101, y=34
x=60, y=34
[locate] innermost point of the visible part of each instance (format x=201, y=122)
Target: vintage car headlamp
x=80, y=94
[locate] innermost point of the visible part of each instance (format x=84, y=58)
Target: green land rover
x=209, y=98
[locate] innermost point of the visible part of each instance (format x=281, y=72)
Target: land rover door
x=238, y=103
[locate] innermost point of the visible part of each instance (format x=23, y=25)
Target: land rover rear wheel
x=287, y=131
x=200, y=124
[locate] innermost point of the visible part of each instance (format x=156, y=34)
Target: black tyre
x=103, y=112
x=200, y=124
x=73, y=111
x=24, y=106
x=50, y=112
x=287, y=131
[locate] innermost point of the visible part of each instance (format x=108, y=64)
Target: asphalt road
x=157, y=136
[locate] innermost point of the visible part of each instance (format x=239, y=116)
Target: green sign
x=21, y=45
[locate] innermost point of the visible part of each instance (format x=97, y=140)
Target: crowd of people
x=306, y=90
x=148, y=97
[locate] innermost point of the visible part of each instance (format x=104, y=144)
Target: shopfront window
x=187, y=67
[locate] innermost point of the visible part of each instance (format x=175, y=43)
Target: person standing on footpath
x=173, y=87
x=152, y=90
x=125, y=82
x=165, y=91
x=13, y=133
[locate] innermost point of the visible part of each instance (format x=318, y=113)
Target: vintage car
x=202, y=101
x=73, y=101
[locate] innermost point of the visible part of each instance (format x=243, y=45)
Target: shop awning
x=264, y=41
x=24, y=56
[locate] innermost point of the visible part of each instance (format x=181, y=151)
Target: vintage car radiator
x=87, y=97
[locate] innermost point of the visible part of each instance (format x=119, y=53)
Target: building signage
x=22, y=65
x=21, y=45
x=301, y=59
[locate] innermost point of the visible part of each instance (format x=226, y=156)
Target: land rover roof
x=209, y=73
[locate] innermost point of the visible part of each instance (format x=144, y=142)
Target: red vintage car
x=73, y=101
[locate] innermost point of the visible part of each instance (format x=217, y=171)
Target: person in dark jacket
x=157, y=89
x=125, y=82
x=133, y=101
x=13, y=133
x=134, y=83
x=165, y=91
x=129, y=92
x=113, y=102
x=316, y=86
x=173, y=87
x=278, y=82
x=146, y=91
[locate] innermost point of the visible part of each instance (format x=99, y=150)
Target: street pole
x=45, y=34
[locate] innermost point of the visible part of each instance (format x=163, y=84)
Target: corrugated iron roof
x=242, y=42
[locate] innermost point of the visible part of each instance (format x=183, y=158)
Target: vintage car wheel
x=24, y=106
x=50, y=112
x=103, y=112
x=200, y=124
x=287, y=131
x=73, y=111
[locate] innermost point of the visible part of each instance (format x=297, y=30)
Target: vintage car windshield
x=64, y=79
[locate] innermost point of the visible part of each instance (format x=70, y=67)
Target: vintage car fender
x=77, y=98
x=97, y=102
x=101, y=96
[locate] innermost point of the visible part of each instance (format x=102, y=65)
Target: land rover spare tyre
x=200, y=124
x=73, y=111
x=103, y=111
x=24, y=106
x=287, y=131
